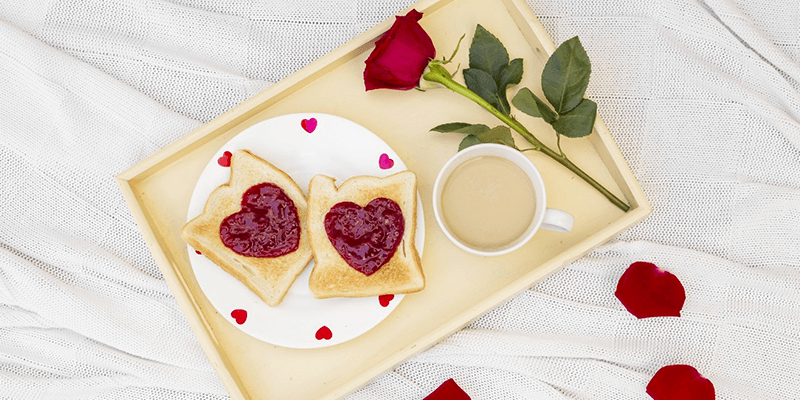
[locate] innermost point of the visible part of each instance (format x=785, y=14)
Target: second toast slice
x=381, y=211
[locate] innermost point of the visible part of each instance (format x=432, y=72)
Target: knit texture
x=702, y=97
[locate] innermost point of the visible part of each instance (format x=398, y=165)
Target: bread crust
x=271, y=277
x=332, y=276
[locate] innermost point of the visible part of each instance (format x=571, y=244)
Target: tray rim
x=127, y=180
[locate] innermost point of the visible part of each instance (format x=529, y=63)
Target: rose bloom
x=400, y=55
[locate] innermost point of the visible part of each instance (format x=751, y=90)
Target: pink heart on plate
x=385, y=162
x=385, y=299
x=239, y=315
x=225, y=160
x=309, y=124
x=324, y=333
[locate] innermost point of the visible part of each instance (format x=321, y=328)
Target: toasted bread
x=332, y=276
x=269, y=277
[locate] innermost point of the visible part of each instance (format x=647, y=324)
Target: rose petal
x=648, y=291
x=680, y=382
x=449, y=390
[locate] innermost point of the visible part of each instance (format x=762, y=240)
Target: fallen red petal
x=449, y=390
x=680, y=382
x=648, y=291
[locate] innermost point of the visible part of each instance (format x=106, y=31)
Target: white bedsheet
x=701, y=97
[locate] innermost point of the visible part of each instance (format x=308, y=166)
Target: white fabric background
x=701, y=97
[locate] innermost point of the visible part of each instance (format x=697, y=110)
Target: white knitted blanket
x=701, y=97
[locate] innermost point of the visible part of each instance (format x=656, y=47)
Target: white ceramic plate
x=302, y=145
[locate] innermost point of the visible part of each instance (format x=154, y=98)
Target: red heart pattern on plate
x=365, y=237
x=239, y=315
x=225, y=160
x=309, y=125
x=198, y=252
x=385, y=299
x=385, y=162
x=324, y=333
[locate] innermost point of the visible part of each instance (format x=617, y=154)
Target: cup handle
x=557, y=220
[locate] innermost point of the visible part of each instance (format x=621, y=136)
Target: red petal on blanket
x=680, y=382
x=449, y=390
x=648, y=291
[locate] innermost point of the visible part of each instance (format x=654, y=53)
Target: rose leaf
x=487, y=53
x=450, y=127
x=530, y=104
x=578, y=122
x=474, y=129
x=469, y=140
x=566, y=75
x=483, y=85
x=499, y=134
x=510, y=74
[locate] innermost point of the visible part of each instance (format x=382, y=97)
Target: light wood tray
x=460, y=286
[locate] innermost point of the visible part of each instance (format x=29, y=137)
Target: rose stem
x=440, y=75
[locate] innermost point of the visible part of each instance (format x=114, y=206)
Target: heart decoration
x=309, y=124
x=385, y=162
x=239, y=315
x=324, y=333
x=385, y=299
x=365, y=237
x=198, y=252
x=225, y=160
x=267, y=226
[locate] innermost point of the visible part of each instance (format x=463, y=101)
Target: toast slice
x=332, y=275
x=269, y=277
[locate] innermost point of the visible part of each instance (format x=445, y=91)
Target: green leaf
x=483, y=85
x=450, y=127
x=578, y=122
x=499, y=134
x=469, y=140
x=487, y=53
x=472, y=129
x=528, y=103
x=510, y=74
x=566, y=76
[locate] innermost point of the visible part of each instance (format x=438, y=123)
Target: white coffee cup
x=544, y=218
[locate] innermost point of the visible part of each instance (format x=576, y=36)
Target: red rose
x=400, y=55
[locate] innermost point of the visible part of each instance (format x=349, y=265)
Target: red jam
x=367, y=237
x=267, y=226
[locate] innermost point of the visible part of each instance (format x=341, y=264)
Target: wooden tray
x=460, y=286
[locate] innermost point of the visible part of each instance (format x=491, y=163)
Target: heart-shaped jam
x=267, y=226
x=367, y=237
